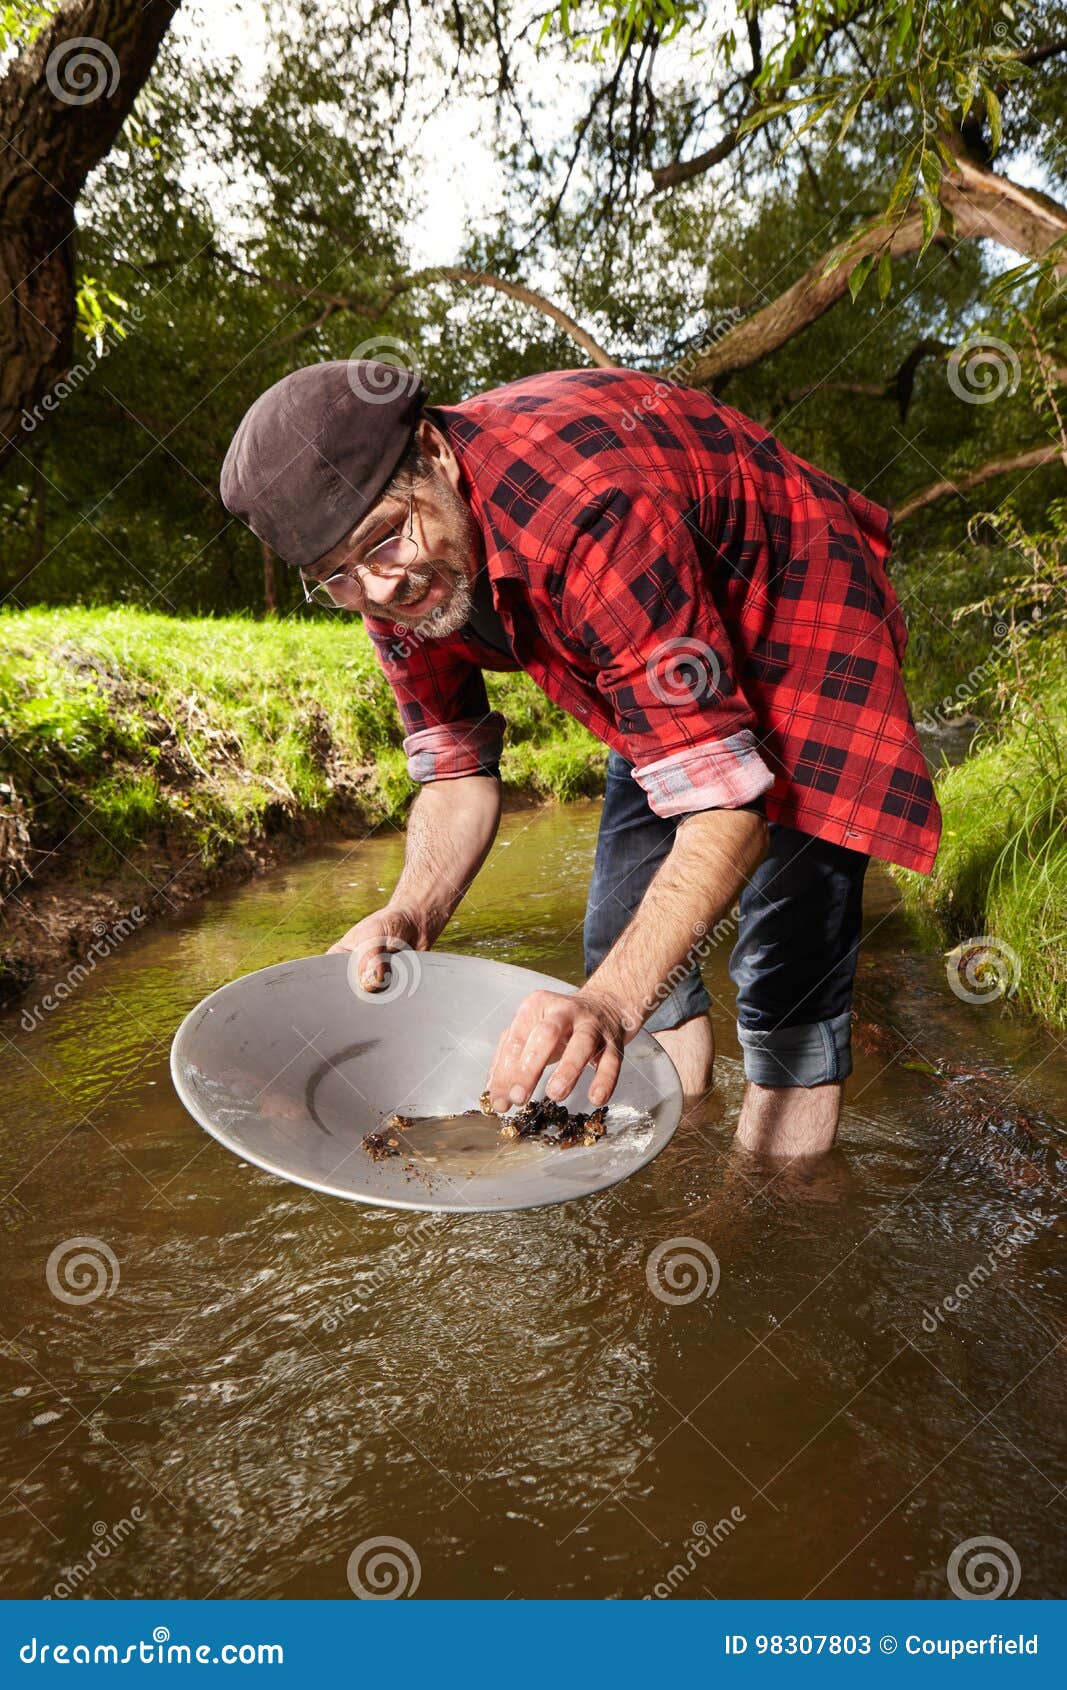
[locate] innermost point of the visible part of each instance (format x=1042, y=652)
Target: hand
x=576, y=1031
x=373, y=938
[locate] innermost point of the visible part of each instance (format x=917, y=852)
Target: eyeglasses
x=344, y=591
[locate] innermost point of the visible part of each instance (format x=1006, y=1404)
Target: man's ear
x=438, y=453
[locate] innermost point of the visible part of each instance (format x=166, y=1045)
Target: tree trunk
x=40, y=510
x=62, y=104
x=270, y=581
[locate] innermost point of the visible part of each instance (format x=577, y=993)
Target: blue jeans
x=798, y=934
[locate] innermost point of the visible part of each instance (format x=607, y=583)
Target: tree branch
x=982, y=206
x=684, y=169
x=798, y=307
x=526, y=296
x=898, y=386
x=436, y=273
x=1032, y=458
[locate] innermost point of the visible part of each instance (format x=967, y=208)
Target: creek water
x=876, y=1378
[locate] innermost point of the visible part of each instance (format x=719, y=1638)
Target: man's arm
x=714, y=853
x=450, y=829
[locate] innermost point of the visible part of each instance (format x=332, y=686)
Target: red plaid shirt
x=704, y=601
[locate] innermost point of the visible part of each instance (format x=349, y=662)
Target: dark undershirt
x=483, y=619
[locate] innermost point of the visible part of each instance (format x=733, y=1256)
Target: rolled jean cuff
x=688, y=999
x=813, y=1055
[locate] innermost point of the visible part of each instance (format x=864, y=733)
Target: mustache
x=415, y=584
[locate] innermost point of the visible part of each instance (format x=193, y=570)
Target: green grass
x=1002, y=867
x=120, y=727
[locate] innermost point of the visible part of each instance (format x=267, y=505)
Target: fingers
x=371, y=964
x=551, y=1028
x=576, y=1057
x=533, y=1038
x=368, y=944
x=547, y=1040
x=607, y=1075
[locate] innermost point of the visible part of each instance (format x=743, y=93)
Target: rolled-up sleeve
x=638, y=600
x=449, y=728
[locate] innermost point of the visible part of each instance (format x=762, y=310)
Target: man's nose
x=381, y=589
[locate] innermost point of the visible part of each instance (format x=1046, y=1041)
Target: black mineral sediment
x=554, y=1124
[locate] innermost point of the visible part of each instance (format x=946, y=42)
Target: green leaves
x=20, y=22
x=858, y=275
x=94, y=320
x=624, y=21
x=823, y=62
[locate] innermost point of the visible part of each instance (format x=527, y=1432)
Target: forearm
x=714, y=853
x=450, y=829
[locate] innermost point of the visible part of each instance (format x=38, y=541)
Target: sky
x=456, y=169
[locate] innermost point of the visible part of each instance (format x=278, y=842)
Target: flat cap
x=317, y=450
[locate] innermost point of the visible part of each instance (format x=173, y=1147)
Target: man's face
x=433, y=592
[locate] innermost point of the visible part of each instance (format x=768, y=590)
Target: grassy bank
x=1002, y=867
x=123, y=732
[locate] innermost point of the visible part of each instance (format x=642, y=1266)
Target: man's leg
x=691, y=1047
x=632, y=843
x=794, y=965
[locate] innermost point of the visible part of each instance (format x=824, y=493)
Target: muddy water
x=513, y=1402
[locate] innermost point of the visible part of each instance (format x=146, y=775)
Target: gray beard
x=449, y=617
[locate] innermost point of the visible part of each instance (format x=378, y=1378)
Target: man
x=710, y=606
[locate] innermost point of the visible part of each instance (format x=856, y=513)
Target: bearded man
x=710, y=606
